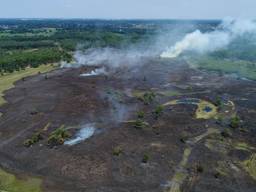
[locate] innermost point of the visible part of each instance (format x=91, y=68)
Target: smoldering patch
x=95, y=72
x=83, y=134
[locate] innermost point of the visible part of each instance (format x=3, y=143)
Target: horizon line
x=108, y=19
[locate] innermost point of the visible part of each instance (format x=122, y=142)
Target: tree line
x=18, y=60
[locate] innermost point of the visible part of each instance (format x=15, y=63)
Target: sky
x=128, y=9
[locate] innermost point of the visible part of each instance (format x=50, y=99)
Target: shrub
x=235, y=122
x=158, y=111
x=58, y=136
x=117, y=151
x=140, y=114
x=140, y=124
x=219, y=101
x=34, y=139
x=148, y=97
x=145, y=158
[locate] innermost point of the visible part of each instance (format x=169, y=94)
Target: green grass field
x=10, y=183
x=242, y=68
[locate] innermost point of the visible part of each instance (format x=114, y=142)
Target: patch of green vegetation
x=173, y=93
x=10, y=183
x=169, y=93
x=180, y=176
x=219, y=102
x=34, y=139
x=158, y=111
x=145, y=158
x=243, y=68
x=148, y=97
x=185, y=157
x=7, y=81
x=18, y=60
x=234, y=122
x=28, y=46
x=58, y=136
x=222, y=169
x=141, y=114
x=140, y=124
x=46, y=32
x=243, y=146
x=250, y=166
x=117, y=151
x=138, y=94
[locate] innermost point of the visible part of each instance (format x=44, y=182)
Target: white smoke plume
x=110, y=57
x=82, y=135
x=211, y=41
x=95, y=72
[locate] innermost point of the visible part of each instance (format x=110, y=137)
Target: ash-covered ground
x=147, y=132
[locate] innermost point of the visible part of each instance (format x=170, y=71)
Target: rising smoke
x=220, y=38
x=197, y=41
x=94, y=72
x=85, y=133
x=111, y=57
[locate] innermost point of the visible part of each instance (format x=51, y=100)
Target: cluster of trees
x=32, y=43
x=69, y=39
x=17, y=60
x=12, y=44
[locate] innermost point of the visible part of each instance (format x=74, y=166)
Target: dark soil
x=67, y=99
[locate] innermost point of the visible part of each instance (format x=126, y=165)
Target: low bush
x=140, y=124
x=148, y=97
x=140, y=114
x=158, y=111
x=58, y=137
x=235, y=122
x=34, y=139
x=145, y=158
x=117, y=151
x=218, y=102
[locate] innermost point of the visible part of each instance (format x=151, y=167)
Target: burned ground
x=174, y=151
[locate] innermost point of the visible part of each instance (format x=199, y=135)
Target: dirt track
x=67, y=99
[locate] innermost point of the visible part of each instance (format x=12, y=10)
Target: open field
x=136, y=144
x=246, y=69
x=10, y=183
x=7, y=81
